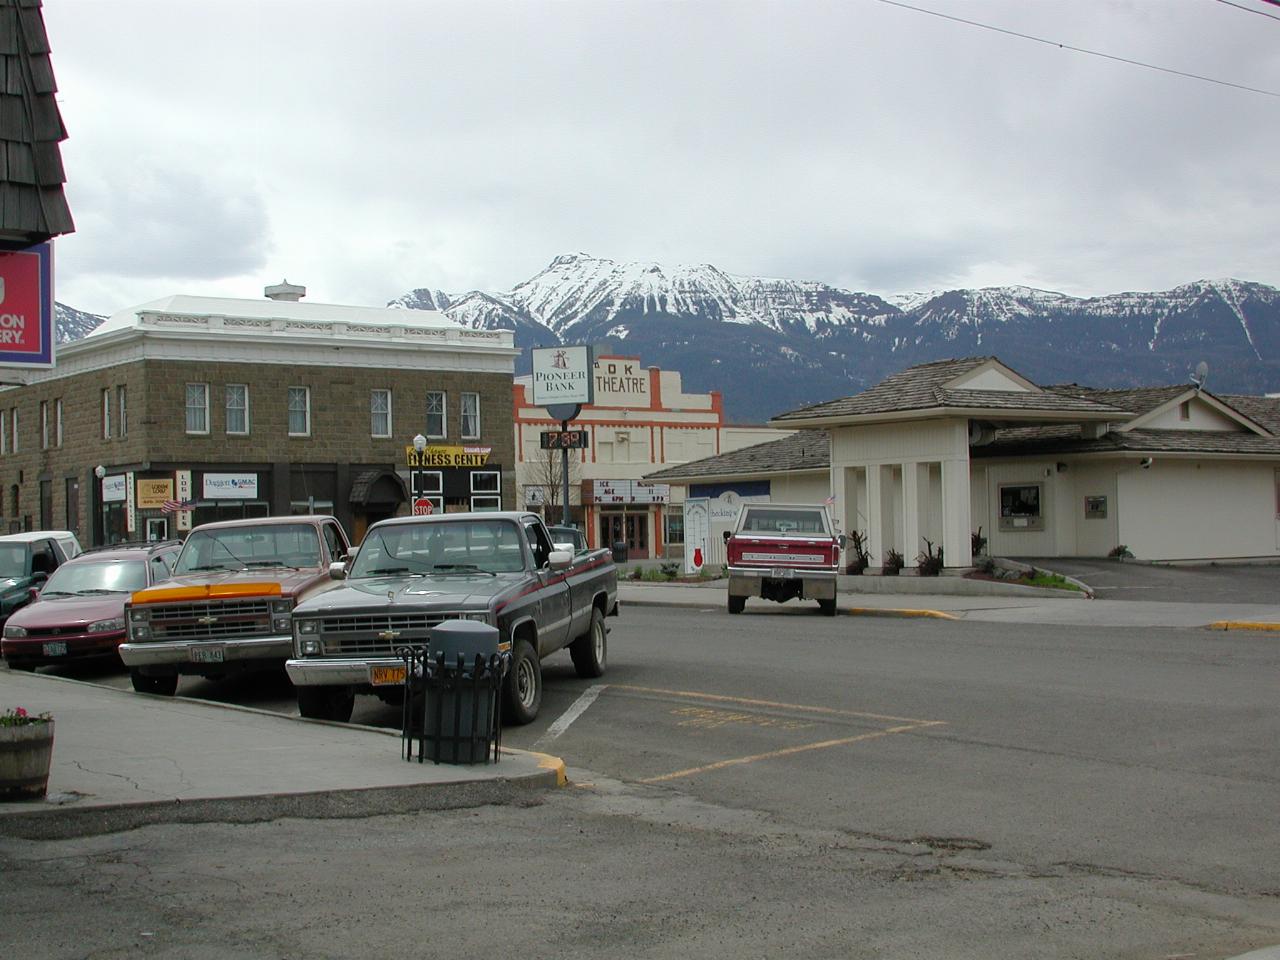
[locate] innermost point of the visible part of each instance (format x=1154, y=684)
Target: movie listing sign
x=562, y=375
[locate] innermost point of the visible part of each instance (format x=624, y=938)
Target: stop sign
x=421, y=507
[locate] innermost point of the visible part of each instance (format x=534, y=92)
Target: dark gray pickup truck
x=411, y=573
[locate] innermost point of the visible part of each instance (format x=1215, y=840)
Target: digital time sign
x=564, y=440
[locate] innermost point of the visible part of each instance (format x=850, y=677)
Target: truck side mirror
x=560, y=559
x=842, y=540
x=727, y=535
x=338, y=570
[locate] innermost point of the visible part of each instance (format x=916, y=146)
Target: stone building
x=190, y=409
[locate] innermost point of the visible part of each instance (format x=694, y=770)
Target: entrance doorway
x=630, y=528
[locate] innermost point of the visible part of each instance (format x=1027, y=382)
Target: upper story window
x=299, y=411
x=44, y=424
x=4, y=433
x=122, y=411
x=57, y=422
x=380, y=413
x=15, y=435
x=197, y=408
x=435, y=414
x=237, y=397
x=470, y=416
x=106, y=413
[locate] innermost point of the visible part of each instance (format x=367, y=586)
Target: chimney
x=284, y=290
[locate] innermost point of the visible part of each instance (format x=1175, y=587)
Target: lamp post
x=99, y=506
x=416, y=474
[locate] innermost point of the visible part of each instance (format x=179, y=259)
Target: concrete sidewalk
x=1026, y=607
x=122, y=760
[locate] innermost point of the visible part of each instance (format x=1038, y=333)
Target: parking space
x=1198, y=583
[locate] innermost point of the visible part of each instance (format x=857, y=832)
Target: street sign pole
x=564, y=476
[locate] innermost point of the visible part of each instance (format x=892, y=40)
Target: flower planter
x=26, y=752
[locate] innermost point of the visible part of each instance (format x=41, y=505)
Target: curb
x=1242, y=625
x=900, y=612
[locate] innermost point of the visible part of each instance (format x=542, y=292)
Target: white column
x=915, y=488
x=956, y=547
x=875, y=520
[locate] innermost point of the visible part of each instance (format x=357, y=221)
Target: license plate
x=58, y=648
x=782, y=573
x=381, y=676
x=206, y=654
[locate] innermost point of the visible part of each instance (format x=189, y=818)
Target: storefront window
x=486, y=490
x=673, y=531
x=1020, y=506
x=303, y=507
x=435, y=414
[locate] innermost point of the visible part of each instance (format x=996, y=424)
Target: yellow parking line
x=788, y=751
x=1244, y=625
x=719, y=698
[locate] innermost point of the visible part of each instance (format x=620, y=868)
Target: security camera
x=1145, y=463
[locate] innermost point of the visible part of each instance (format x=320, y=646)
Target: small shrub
x=1120, y=552
x=987, y=565
x=929, y=561
x=671, y=570
x=861, y=558
x=893, y=562
x=977, y=543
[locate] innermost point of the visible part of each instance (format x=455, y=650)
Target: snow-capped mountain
x=771, y=344
x=72, y=324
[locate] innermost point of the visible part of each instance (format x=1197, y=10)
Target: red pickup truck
x=780, y=551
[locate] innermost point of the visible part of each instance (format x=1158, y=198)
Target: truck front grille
x=211, y=620
x=370, y=635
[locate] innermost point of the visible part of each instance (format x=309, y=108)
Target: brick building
x=254, y=408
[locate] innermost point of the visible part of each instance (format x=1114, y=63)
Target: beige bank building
x=941, y=451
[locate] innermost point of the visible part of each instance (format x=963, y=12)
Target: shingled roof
x=1030, y=441
x=33, y=207
x=802, y=450
x=924, y=387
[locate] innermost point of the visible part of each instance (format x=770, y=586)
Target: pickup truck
x=411, y=573
x=229, y=605
x=780, y=551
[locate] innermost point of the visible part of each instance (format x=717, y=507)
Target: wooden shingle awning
x=33, y=206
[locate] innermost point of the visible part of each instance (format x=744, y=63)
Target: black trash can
x=452, y=705
x=619, y=551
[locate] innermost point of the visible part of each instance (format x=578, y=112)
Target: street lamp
x=99, y=471
x=419, y=443
x=416, y=477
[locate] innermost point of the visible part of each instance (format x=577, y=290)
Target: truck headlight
x=480, y=617
x=11, y=630
x=310, y=648
x=281, y=606
x=139, y=614
x=306, y=626
x=140, y=631
x=107, y=626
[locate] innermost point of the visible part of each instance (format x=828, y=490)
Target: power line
x=1092, y=53
x=1261, y=13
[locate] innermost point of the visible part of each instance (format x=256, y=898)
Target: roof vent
x=284, y=290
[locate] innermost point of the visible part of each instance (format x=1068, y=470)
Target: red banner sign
x=26, y=307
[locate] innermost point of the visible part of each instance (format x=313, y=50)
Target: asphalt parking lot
x=1165, y=583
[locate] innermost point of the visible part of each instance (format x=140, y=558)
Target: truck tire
x=828, y=607
x=737, y=604
x=590, y=650
x=165, y=685
x=326, y=703
x=522, y=692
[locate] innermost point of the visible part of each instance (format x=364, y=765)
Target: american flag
x=174, y=506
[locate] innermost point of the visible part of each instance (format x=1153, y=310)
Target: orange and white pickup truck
x=783, y=551
x=229, y=606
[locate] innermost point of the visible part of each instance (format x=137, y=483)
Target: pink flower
x=20, y=712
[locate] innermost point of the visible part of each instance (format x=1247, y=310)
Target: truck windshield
x=13, y=560
x=440, y=547
x=238, y=548
x=784, y=521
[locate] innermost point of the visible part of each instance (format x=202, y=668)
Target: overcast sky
x=367, y=148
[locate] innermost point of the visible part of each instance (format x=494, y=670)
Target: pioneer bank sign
x=562, y=375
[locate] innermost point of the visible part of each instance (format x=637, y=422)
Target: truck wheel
x=828, y=607
x=737, y=604
x=162, y=686
x=326, y=703
x=522, y=691
x=589, y=650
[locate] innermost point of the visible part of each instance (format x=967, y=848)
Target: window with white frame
x=4, y=439
x=122, y=411
x=44, y=424
x=106, y=413
x=57, y=422
x=237, y=403
x=471, y=416
x=1022, y=506
x=428, y=484
x=299, y=411
x=15, y=435
x=197, y=408
x=486, y=489
x=380, y=413
x=435, y=414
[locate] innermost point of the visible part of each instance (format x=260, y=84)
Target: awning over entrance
x=378, y=489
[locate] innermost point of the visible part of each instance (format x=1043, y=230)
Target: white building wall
x=1189, y=510
x=1096, y=536
x=1201, y=417
x=1023, y=542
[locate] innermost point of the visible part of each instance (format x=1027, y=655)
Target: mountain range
x=771, y=345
